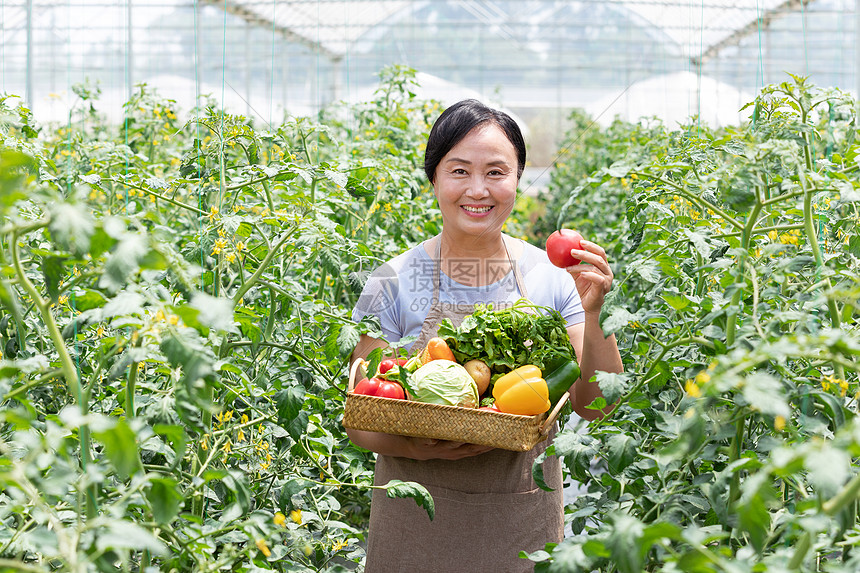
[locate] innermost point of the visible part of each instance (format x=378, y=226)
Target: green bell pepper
x=560, y=372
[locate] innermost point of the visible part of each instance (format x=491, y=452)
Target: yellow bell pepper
x=522, y=391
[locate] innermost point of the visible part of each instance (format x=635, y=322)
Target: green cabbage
x=444, y=382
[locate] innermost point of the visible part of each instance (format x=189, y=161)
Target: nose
x=477, y=186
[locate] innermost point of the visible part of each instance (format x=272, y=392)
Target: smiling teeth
x=476, y=209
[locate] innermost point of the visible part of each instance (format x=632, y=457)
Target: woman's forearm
x=384, y=444
x=599, y=352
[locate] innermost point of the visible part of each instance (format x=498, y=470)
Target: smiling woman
x=474, y=159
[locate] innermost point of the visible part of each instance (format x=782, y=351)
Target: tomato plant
x=734, y=252
x=175, y=302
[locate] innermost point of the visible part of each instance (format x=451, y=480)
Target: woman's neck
x=474, y=262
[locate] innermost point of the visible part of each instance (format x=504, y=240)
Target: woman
x=488, y=507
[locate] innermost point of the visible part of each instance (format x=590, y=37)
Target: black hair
x=461, y=118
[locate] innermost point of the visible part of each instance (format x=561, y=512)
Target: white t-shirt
x=400, y=291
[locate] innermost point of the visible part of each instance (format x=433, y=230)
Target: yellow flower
x=241, y=436
x=227, y=447
x=240, y=246
x=779, y=423
x=692, y=389
x=100, y=331
x=204, y=443
x=280, y=519
x=213, y=211
x=173, y=319
x=702, y=378
x=263, y=547
x=296, y=516
x=339, y=545
x=220, y=244
x=230, y=257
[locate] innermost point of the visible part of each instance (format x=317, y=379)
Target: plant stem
x=693, y=198
x=735, y=450
x=812, y=237
x=746, y=239
x=67, y=365
x=164, y=197
x=262, y=267
x=129, y=389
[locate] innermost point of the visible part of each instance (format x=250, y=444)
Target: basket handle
x=358, y=365
x=550, y=420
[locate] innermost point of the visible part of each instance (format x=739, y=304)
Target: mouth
x=477, y=209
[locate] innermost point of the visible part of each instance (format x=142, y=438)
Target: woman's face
x=476, y=183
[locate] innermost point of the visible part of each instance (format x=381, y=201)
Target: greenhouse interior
x=538, y=59
x=251, y=313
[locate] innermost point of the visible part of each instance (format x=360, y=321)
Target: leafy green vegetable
x=524, y=333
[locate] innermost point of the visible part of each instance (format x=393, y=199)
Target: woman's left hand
x=593, y=275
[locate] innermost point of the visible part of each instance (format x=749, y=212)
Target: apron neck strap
x=437, y=271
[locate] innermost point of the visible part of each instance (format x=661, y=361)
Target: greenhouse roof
x=332, y=28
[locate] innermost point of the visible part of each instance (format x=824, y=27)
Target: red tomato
x=558, y=246
x=491, y=408
x=380, y=387
x=390, y=363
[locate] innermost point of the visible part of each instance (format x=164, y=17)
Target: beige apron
x=488, y=507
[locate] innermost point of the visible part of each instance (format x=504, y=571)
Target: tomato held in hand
x=380, y=387
x=558, y=246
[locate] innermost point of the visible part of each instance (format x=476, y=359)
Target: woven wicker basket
x=420, y=420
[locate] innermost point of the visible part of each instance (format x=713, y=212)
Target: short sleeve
x=379, y=298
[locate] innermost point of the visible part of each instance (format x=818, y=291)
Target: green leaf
x=613, y=385
x=618, y=319
x=620, y=168
x=289, y=402
x=677, y=301
x=403, y=489
x=828, y=470
x=214, y=312
x=753, y=515
x=238, y=491
x=127, y=535
x=577, y=450
x=347, y=339
x=648, y=269
x=13, y=166
x=766, y=394
x=71, y=228
x=625, y=543
x=100, y=243
x=621, y=452
x=537, y=468
x=290, y=488
x=164, y=499
x=54, y=271
x=124, y=260
x=120, y=448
